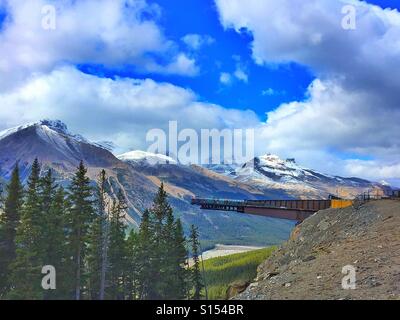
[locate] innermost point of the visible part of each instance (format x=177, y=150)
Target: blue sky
x=266, y=88
x=114, y=69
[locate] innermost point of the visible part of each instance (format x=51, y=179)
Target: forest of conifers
x=80, y=232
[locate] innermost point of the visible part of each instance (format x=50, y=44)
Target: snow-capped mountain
x=271, y=172
x=53, y=144
x=59, y=149
x=274, y=169
x=51, y=126
x=223, y=168
x=143, y=158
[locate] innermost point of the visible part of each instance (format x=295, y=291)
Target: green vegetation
x=220, y=272
x=80, y=233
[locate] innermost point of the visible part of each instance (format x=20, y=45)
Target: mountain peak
x=56, y=125
x=51, y=142
x=275, y=158
x=139, y=156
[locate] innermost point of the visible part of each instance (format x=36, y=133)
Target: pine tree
x=81, y=214
x=26, y=269
x=159, y=213
x=56, y=253
x=180, y=263
x=131, y=266
x=174, y=260
x=1, y=200
x=98, y=241
x=9, y=221
x=196, y=273
x=94, y=258
x=168, y=255
x=161, y=252
x=145, y=264
x=117, y=249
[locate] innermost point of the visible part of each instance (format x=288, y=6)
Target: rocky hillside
x=309, y=265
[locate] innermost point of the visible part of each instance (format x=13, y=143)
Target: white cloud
x=120, y=110
x=181, y=65
x=268, y=92
x=107, y=32
x=241, y=75
x=372, y=169
x=196, y=41
x=225, y=78
x=353, y=107
x=272, y=92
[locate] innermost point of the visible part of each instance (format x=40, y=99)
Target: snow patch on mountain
x=56, y=132
x=271, y=172
x=143, y=157
x=7, y=132
x=107, y=145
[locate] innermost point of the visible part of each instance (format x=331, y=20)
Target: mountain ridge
x=60, y=150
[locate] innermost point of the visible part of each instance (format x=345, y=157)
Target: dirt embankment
x=309, y=265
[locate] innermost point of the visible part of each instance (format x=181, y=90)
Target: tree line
x=81, y=232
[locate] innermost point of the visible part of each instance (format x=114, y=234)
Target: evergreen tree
x=144, y=261
x=81, y=214
x=181, y=265
x=175, y=260
x=196, y=273
x=26, y=269
x=9, y=220
x=159, y=213
x=117, y=249
x=1, y=200
x=94, y=258
x=131, y=266
x=57, y=253
x=161, y=253
x=98, y=241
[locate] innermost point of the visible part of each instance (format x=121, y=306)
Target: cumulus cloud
x=106, y=32
x=353, y=107
x=121, y=110
x=373, y=169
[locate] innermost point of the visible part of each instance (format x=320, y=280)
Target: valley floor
x=222, y=250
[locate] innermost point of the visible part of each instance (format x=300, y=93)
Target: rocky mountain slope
x=53, y=144
x=57, y=148
x=309, y=265
x=272, y=173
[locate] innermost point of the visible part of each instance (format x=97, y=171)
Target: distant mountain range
x=139, y=174
x=272, y=173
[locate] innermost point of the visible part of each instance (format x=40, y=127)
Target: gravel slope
x=309, y=265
